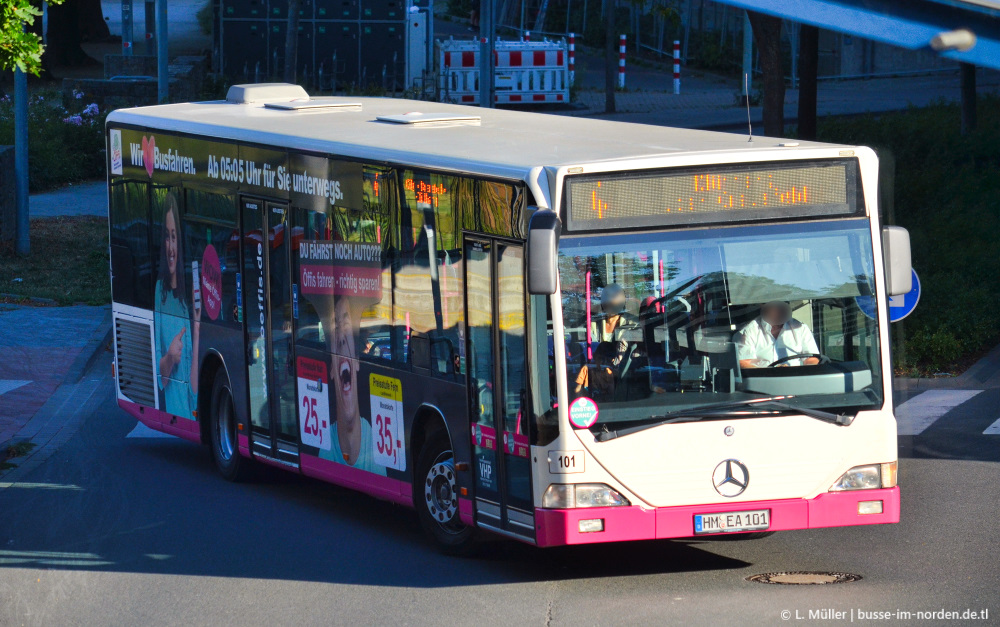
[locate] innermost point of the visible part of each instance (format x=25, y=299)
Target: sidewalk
x=82, y=199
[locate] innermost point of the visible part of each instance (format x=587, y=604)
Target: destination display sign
x=724, y=193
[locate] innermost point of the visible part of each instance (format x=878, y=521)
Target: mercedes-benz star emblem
x=730, y=478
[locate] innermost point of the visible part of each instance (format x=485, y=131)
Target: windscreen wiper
x=766, y=406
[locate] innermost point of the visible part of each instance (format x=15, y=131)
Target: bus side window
x=542, y=375
x=132, y=259
x=209, y=224
x=373, y=227
x=309, y=330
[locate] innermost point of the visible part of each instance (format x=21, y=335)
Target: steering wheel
x=823, y=359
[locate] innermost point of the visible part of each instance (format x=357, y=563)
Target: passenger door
x=267, y=297
x=498, y=384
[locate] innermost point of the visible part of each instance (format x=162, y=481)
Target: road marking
x=142, y=431
x=920, y=412
x=9, y=385
x=993, y=429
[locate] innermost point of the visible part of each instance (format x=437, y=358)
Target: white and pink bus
x=555, y=329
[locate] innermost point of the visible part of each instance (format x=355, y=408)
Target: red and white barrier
x=572, y=58
x=525, y=71
x=621, y=62
x=677, y=67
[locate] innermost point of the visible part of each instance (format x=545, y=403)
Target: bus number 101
x=565, y=462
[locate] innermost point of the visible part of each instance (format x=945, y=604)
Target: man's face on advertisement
x=345, y=366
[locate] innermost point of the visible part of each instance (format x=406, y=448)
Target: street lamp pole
x=487, y=33
x=23, y=242
x=162, y=74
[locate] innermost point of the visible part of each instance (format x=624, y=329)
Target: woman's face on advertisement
x=170, y=242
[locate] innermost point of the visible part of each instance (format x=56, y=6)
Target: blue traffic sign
x=899, y=306
x=902, y=306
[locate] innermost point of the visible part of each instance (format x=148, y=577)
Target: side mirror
x=543, y=251
x=896, y=255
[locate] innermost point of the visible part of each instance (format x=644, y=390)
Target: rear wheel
x=225, y=451
x=435, y=496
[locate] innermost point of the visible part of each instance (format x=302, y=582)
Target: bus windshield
x=662, y=322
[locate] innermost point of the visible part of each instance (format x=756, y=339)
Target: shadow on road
x=959, y=433
x=156, y=505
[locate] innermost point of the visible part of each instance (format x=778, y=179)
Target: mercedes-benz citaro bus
x=555, y=329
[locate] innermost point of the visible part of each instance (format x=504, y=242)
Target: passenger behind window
x=599, y=378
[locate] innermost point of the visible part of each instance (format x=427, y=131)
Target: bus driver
x=774, y=335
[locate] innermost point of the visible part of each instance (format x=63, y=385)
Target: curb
x=984, y=369
x=983, y=375
x=96, y=345
x=29, y=300
x=62, y=414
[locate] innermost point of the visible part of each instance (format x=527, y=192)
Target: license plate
x=730, y=522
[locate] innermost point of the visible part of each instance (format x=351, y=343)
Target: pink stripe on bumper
x=557, y=527
x=465, y=512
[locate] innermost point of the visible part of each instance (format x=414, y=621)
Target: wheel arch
x=211, y=366
x=428, y=420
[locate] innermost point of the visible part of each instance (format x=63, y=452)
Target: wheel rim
x=224, y=426
x=441, y=493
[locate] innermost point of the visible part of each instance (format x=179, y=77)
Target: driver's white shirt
x=754, y=341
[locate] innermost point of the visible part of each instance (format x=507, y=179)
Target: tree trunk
x=610, y=57
x=808, y=68
x=767, y=32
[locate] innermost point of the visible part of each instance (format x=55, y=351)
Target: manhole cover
x=802, y=578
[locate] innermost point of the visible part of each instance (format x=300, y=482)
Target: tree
x=20, y=48
x=767, y=32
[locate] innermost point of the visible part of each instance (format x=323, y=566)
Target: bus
x=554, y=329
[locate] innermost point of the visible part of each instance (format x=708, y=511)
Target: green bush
x=205, y=17
x=64, y=145
x=947, y=194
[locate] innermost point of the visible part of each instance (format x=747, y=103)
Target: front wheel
x=436, y=497
x=232, y=466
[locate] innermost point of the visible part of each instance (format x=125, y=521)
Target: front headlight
x=566, y=496
x=859, y=478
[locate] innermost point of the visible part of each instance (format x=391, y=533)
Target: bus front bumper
x=557, y=527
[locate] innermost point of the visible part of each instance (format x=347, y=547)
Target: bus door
x=498, y=384
x=267, y=303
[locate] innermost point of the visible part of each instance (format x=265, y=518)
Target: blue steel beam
x=909, y=25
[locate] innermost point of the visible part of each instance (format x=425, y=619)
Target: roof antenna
x=746, y=84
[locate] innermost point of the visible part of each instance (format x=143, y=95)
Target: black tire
x=225, y=450
x=435, y=496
